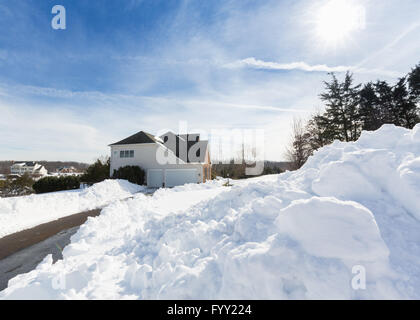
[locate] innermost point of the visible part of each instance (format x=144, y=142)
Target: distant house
x=31, y=168
x=67, y=170
x=169, y=160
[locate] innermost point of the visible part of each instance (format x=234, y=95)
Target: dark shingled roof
x=139, y=137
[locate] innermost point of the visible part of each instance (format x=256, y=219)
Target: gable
x=188, y=151
x=139, y=137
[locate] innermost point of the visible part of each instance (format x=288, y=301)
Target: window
x=127, y=154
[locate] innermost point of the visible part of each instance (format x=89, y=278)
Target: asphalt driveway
x=23, y=251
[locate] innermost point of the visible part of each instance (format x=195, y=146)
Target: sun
x=336, y=20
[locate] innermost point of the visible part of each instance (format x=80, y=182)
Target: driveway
x=22, y=251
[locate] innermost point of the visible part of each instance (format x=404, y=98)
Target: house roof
x=20, y=164
x=144, y=137
x=139, y=137
x=27, y=164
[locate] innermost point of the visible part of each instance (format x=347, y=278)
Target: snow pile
x=378, y=165
x=24, y=212
x=345, y=226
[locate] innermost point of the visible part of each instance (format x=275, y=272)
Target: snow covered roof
x=23, y=164
x=19, y=164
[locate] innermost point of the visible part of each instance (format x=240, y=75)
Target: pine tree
x=414, y=82
x=349, y=109
x=370, y=113
x=414, y=88
x=341, y=115
x=385, y=100
x=319, y=135
x=404, y=105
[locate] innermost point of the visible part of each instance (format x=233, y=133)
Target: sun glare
x=337, y=19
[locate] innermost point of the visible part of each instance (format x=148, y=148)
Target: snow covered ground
x=309, y=234
x=19, y=213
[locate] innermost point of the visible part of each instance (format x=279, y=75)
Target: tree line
x=51, y=166
x=351, y=108
x=96, y=172
x=236, y=170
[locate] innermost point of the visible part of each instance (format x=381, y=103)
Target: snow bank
x=351, y=213
x=24, y=212
x=315, y=222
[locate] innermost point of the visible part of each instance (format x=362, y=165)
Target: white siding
x=145, y=156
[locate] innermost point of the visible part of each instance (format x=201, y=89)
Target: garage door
x=155, y=178
x=176, y=177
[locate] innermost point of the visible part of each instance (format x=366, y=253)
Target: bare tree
x=299, y=149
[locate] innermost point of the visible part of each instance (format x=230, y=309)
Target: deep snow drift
x=19, y=213
x=353, y=206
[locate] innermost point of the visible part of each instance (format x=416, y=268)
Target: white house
x=31, y=168
x=168, y=161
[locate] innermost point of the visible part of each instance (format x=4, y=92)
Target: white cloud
x=303, y=66
x=66, y=130
x=196, y=73
x=28, y=133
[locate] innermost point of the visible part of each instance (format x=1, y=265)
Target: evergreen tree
x=318, y=132
x=97, y=172
x=349, y=109
x=342, y=109
x=414, y=82
x=405, y=108
x=370, y=113
x=385, y=100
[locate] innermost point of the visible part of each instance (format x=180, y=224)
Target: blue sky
x=129, y=65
